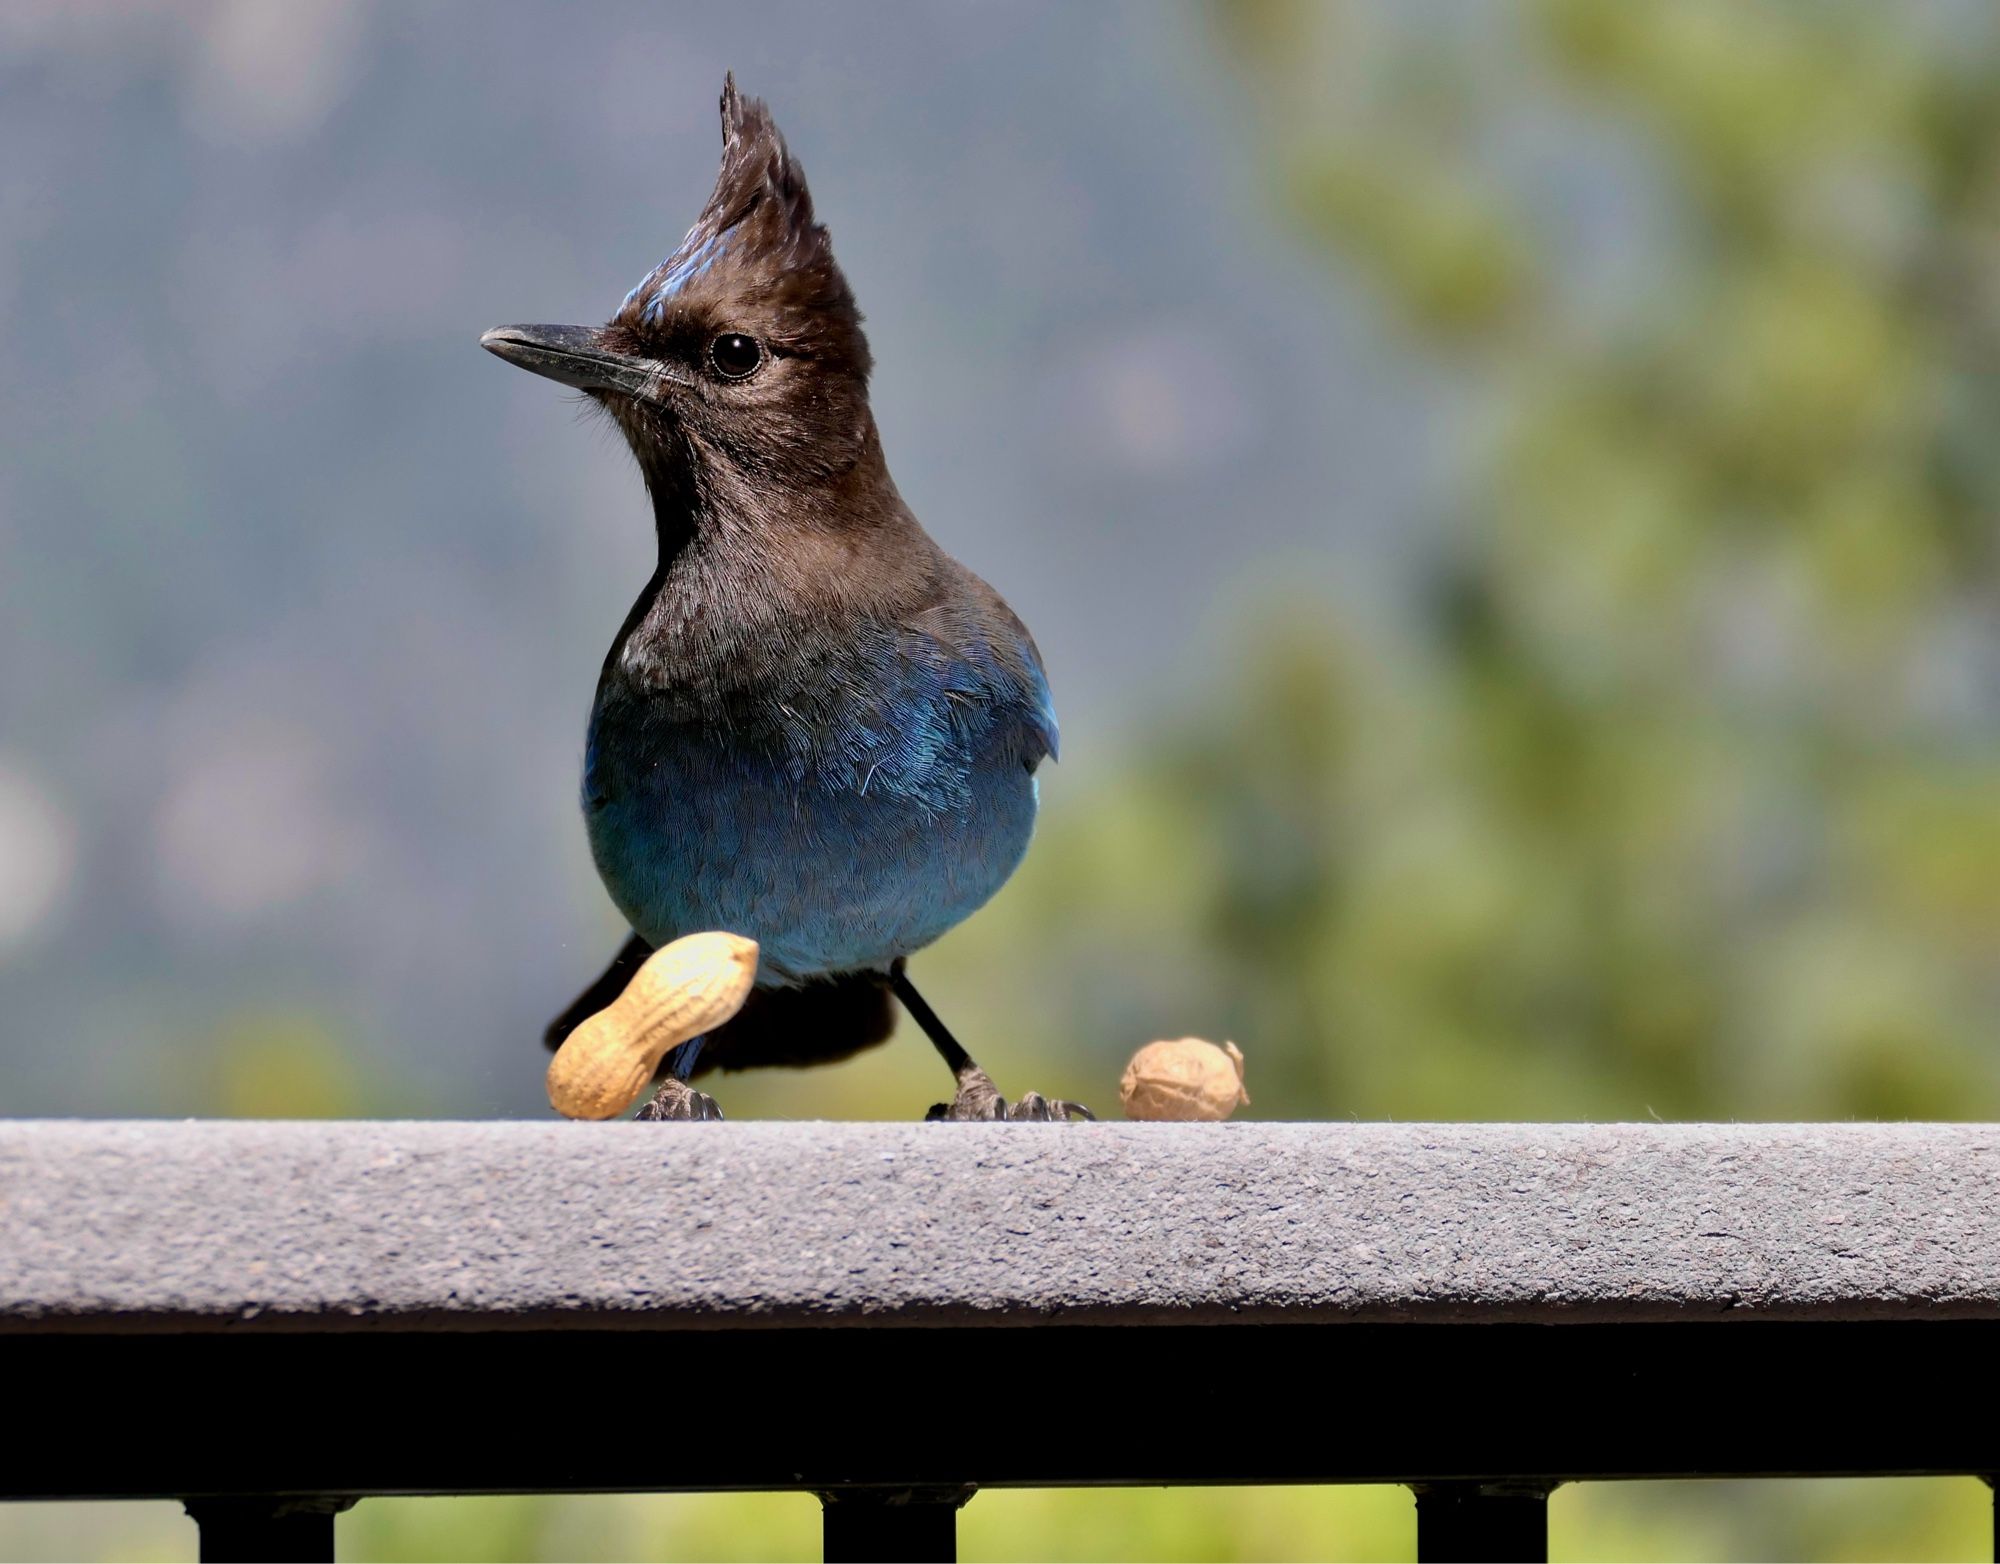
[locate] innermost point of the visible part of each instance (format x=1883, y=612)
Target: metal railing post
x=271, y=1527
x=892, y=1525
x=1470, y=1522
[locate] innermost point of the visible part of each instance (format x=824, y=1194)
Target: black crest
x=756, y=245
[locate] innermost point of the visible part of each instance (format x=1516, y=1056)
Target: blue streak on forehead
x=679, y=270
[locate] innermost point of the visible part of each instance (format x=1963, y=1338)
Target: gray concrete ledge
x=252, y=1226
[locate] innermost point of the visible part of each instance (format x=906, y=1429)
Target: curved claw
x=1038, y=1109
x=979, y=1101
x=677, y=1100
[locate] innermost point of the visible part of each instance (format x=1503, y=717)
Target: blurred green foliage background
x=1668, y=786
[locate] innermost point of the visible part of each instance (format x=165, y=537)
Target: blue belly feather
x=841, y=827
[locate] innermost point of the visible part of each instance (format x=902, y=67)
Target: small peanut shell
x=1187, y=1079
x=686, y=988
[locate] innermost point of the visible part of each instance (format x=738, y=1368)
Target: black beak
x=576, y=356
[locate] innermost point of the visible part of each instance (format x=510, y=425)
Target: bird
x=814, y=727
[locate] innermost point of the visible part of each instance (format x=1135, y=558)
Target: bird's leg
x=977, y=1097
x=676, y=1099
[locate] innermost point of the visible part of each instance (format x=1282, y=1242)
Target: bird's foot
x=979, y=1099
x=677, y=1100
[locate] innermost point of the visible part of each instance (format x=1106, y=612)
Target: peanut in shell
x=1186, y=1080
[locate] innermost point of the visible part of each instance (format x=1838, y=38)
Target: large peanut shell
x=685, y=988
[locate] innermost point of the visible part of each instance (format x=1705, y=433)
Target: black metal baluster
x=273, y=1527
x=1470, y=1522
x=893, y=1525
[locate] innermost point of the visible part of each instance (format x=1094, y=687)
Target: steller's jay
x=814, y=728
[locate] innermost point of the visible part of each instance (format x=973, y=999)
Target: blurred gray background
x=302, y=597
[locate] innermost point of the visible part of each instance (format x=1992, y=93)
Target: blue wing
x=1041, y=711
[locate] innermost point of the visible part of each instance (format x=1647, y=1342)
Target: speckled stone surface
x=230, y=1225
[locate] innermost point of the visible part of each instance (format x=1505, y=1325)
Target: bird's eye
x=735, y=356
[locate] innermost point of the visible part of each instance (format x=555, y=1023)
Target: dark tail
x=818, y=1023
x=609, y=985
x=821, y=1022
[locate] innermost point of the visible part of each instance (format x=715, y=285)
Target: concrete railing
x=298, y=1315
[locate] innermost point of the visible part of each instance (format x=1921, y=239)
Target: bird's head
x=741, y=354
